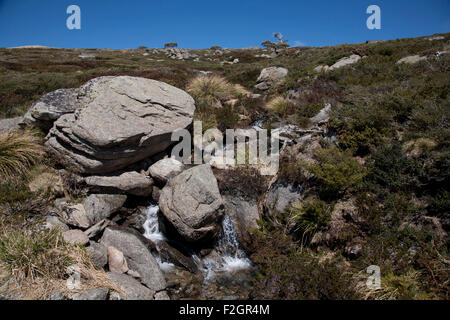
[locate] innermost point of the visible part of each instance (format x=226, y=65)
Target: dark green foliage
x=336, y=171
x=287, y=272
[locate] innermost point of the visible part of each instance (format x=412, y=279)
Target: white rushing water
x=230, y=260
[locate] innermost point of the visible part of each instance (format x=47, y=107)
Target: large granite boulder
x=137, y=255
x=192, y=204
x=120, y=121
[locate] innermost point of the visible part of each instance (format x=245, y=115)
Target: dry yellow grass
x=277, y=104
x=18, y=151
x=215, y=88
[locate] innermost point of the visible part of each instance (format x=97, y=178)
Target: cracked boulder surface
x=121, y=120
x=192, y=204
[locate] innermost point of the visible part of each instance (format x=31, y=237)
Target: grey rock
x=192, y=204
x=171, y=254
x=101, y=206
x=132, y=288
x=50, y=107
x=270, y=77
x=137, y=255
x=52, y=222
x=98, y=253
x=280, y=196
x=121, y=120
x=345, y=61
x=58, y=296
x=10, y=124
x=76, y=216
x=162, y=295
x=97, y=228
x=411, y=59
x=322, y=116
x=75, y=237
x=132, y=183
x=93, y=294
x=165, y=169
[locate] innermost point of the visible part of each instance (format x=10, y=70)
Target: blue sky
x=203, y=23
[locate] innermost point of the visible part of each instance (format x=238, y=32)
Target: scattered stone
x=116, y=261
x=93, y=294
x=345, y=61
x=75, y=237
x=131, y=183
x=87, y=55
x=270, y=77
x=322, y=116
x=412, y=59
x=76, y=216
x=165, y=169
x=52, y=222
x=130, y=116
x=192, y=204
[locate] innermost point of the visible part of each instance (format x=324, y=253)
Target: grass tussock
x=277, y=104
x=18, y=151
x=213, y=89
x=37, y=264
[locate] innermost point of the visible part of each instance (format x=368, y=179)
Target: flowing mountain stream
x=225, y=273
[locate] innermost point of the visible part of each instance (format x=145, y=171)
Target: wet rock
x=192, y=204
x=171, y=254
x=137, y=255
x=131, y=183
x=244, y=215
x=132, y=288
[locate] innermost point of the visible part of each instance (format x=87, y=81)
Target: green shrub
x=311, y=215
x=336, y=171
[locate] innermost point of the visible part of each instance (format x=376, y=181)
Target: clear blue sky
x=203, y=23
